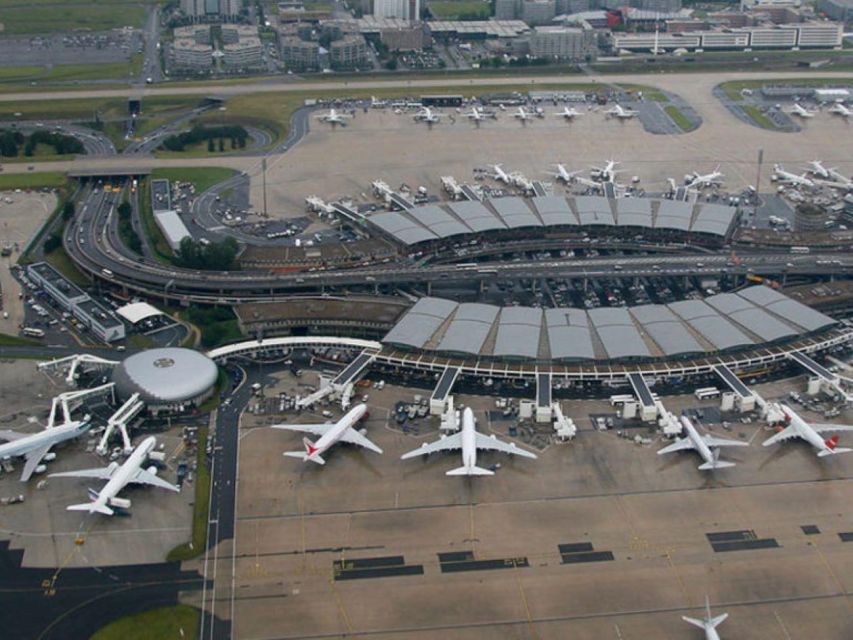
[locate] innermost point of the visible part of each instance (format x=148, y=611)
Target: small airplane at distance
x=330, y=434
x=709, y=623
x=619, y=112
x=476, y=115
x=35, y=447
x=569, y=113
x=468, y=439
x=523, y=115
x=607, y=173
x=840, y=109
x=564, y=175
x=706, y=445
x=797, y=427
x=427, y=115
x=500, y=175
x=792, y=178
x=801, y=111
x=335, y=117
x=118, y=476
x=698, y=181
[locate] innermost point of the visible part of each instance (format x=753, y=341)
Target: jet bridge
x=470, y=193
x=66, y=403
x=648, y=406
x=539, y=189
x=746, y=398
x=826, y=381
x=70, y=364
x=342, y=384
x=543, y=397
x=438, y=399
x=119, y=420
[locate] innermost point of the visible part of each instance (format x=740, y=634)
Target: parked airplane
x=699, y=181
x=563, y=174
x=330, y=433
x=621, y=113
x=796, y=427
x=520, y=181
x=706, y=445
x=469, y=440
x=816, y=168
x=35, y=447
x=802, y=112
x=839, y=109
x=831, y=174
x=377, y=104
x=792, y=178
x=709, y=623
x=427, y=115
x=569, y=113
x=118, y=476
x=607, y=173
x=476, y=115
x=334, y=117
x=523, y=115
x=500, y=175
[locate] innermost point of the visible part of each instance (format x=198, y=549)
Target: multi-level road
x=93, y=242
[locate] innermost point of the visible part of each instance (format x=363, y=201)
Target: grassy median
x=201, y=507
x=178, y=621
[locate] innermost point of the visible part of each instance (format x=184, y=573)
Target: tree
x=68, y=210
x=210, y=146
x=221, y=145
x=124, y=210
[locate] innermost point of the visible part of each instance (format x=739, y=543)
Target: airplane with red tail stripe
x=792, y=425
x=330, y=434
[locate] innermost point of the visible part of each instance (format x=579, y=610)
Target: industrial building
x=94, y=316
x=173, y=228
x=170, y=379
x=690, y=328
x=808, y=35
x=563, y=43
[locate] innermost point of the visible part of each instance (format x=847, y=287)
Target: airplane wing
x=316, y=429
x=442, y=444
x=10, y=436
x=712, y=441
x=354, y=437
x=681, y=444
x=823, y=428
x=483, y=441
x=33, y=458
x=101, y=473
x=146, y=477
x=785, y=434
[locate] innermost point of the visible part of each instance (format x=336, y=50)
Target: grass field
x=52, y=179
x=202, y=177
x=162, y=250
x=452, y=9
x=179, y=621
x=201, y=508
x=73, y=72
x=59, y=259
x=47, y=16
x=16, y=341
x=758, y=118
x=678, y=117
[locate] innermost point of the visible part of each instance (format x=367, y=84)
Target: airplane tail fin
x=470, y=471
x=91, y=507
x=310, y=453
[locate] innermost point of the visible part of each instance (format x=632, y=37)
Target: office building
x=562, y=43
x=402, y=9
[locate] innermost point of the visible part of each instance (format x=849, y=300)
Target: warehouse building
x=94, y=316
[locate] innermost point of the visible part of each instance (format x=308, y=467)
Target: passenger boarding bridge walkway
x=831, y=382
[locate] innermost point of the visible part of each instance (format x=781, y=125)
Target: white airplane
x=607, y=173
x=523, y=115
x=520, y=181
x=35, y=447
x=500, y=175
x=706, y=445
x=801, y=111
x=564, y=175
x=330, y=433
x=333, y=117
x=792, y=178
x=816, y=168
x=569, y=113
x=621, y=113
x=469, y=440
x=427, y=115
x=831, y=174
x=476, y=115
x=118, y=476
x=698, y=181
x=841, y=110
x=796, y=427
x=709, y=623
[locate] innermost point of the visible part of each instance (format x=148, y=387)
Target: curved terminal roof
x=754, y=316
x=168, y=375
x=451, y=219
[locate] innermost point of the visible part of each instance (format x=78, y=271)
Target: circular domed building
x=169, y=379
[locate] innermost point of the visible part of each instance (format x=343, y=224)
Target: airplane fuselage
x=52, y=436
x=126, y=472
x=698, y=441
x=334, y=434
x=469, y=441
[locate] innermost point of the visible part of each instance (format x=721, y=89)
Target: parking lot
x=73, y=48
